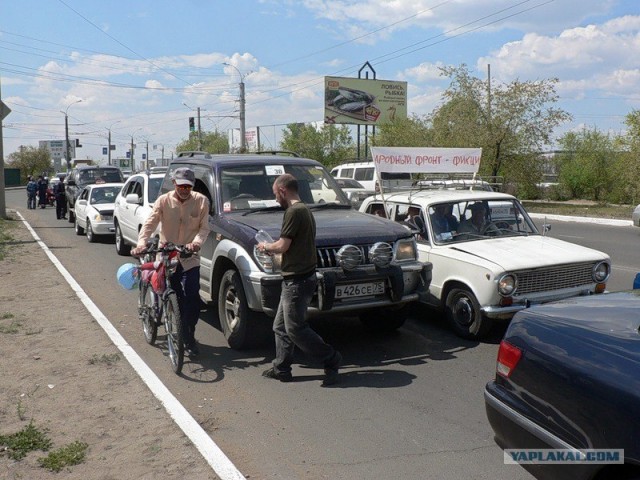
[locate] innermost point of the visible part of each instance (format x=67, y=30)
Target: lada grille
x=554, y=278
x=327, y=255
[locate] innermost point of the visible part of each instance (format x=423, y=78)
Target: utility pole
x=66, y=134
x=133, y=170
x=243, y=139
x=199, y=132
x=147, y=165
x=4, y=111
x=109, y=150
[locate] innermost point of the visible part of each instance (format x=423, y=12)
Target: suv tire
x=236, y=319
x=121, y=246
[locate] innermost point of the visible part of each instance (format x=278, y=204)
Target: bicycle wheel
x=174, y=328
x=147, y=311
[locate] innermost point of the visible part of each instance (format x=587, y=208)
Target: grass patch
x=5, y=236
x=106, y=359
x=576, y=209
x=12, y=328
x=72, y=454
x=26, y=440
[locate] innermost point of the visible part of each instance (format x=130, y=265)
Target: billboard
x=362, y=101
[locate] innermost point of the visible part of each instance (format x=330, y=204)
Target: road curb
x=600, y=221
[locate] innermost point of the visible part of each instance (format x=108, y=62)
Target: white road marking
x=214, y=456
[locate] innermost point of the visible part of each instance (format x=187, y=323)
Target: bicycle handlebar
x=152, y=247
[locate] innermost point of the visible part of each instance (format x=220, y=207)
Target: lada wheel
x=464, y=315
x=79, y=230
x=384, y=319
x=90, y=236
x=121, y=247
x=233, y=311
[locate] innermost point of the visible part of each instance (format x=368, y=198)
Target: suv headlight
x=507, y=285
x=601, y=272
x=381, y=254
x=349, y=257
x=270, y=263
x=406, y=250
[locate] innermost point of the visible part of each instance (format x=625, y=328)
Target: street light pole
x=133, y=163
x=243, y=140
x=66, y=133
x=109, y=148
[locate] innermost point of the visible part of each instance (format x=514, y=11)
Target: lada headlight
x=507, y=285
x=601, y=272
x=270, y=263
x=349, y=257
x=381, y=254
x=406, y=250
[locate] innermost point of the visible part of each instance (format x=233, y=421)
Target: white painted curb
x=599, y=221
x=214, y=456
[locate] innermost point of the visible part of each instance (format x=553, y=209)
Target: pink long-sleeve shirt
x=182, y=222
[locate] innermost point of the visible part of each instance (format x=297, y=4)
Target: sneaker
x=283, y=377
x=331, y=370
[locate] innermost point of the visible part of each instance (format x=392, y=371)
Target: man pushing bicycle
x=183, y=216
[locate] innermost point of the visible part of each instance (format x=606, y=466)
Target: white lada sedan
x=94, y=210
x=489, y=260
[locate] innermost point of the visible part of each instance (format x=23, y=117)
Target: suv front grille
x=327, y=255
x=554, y=278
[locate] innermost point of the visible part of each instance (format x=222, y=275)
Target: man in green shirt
x=298, y=248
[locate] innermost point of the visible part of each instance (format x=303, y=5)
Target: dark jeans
x=31, y=201
x=187, y=287
x=292, y=329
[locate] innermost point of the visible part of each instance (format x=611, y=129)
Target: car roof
x=93, y=186
x=437, y=196
x=237, y=159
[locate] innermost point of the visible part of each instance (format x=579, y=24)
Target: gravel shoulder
x=61, y=372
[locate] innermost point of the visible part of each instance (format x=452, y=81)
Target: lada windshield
x=249, y=187
x=453, y=222
x=104, y=195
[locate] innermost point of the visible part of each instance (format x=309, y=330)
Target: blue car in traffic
x=568, y=378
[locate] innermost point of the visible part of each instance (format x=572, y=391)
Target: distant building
x=58, y=150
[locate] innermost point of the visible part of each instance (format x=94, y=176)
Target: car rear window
x=94, y=174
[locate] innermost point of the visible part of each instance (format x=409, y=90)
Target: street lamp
x=66, y=132
x=199, y=130
x=109, y=148
x=242, y=103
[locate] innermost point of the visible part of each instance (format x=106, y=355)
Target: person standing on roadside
x=32, y=188
x=298, y=248
x=42, y=192
x=61, y=199
x=183, y=216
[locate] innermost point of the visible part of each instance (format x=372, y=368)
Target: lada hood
x=333, y=226
x=519, y=253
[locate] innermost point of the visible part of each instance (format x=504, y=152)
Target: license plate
x=360, y=289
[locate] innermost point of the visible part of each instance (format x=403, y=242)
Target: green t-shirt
x=299, y=225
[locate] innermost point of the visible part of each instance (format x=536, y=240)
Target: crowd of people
x=40, y=194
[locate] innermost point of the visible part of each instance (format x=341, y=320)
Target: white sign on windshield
x=426, y=160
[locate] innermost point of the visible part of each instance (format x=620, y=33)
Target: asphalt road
x=409, y=406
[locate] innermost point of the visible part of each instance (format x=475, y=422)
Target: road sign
x=4, y=110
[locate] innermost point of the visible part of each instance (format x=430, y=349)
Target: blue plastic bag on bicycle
x=127, y=276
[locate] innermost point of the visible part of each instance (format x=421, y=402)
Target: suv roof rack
x=277, y=152
x=194, y=153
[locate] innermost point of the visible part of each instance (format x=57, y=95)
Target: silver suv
x=366, y=265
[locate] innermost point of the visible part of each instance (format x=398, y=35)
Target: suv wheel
x=234, y=314
x=72, y=216
x=121, y=247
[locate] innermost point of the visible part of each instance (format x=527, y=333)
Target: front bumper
x=103, y=228
x=403, y=283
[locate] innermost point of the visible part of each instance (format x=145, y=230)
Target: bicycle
x=158, y=302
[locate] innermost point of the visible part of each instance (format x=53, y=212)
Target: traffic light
x=192, y=124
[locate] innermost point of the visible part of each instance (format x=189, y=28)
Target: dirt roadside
x=60, y=371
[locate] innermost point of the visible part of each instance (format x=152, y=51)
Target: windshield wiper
x=262, y=209
x=330, y=205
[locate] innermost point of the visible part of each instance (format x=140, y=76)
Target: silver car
x=94, y=210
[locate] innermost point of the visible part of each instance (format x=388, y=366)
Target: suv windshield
x=250, y=186
x=94, y=174
x=478, y=219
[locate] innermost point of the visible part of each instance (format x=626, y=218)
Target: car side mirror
x=71, y=182
x=82, y=202
x=133, y=199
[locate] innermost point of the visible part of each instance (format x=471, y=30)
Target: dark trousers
x=61, y=206
x=187, y=287
x=31, y=201
x=292, y=329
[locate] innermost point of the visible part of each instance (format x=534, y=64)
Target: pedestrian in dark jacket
x=42, y=192
x=32, y=189
x=61, y=200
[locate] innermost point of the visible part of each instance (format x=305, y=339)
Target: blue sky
x=135, y=64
